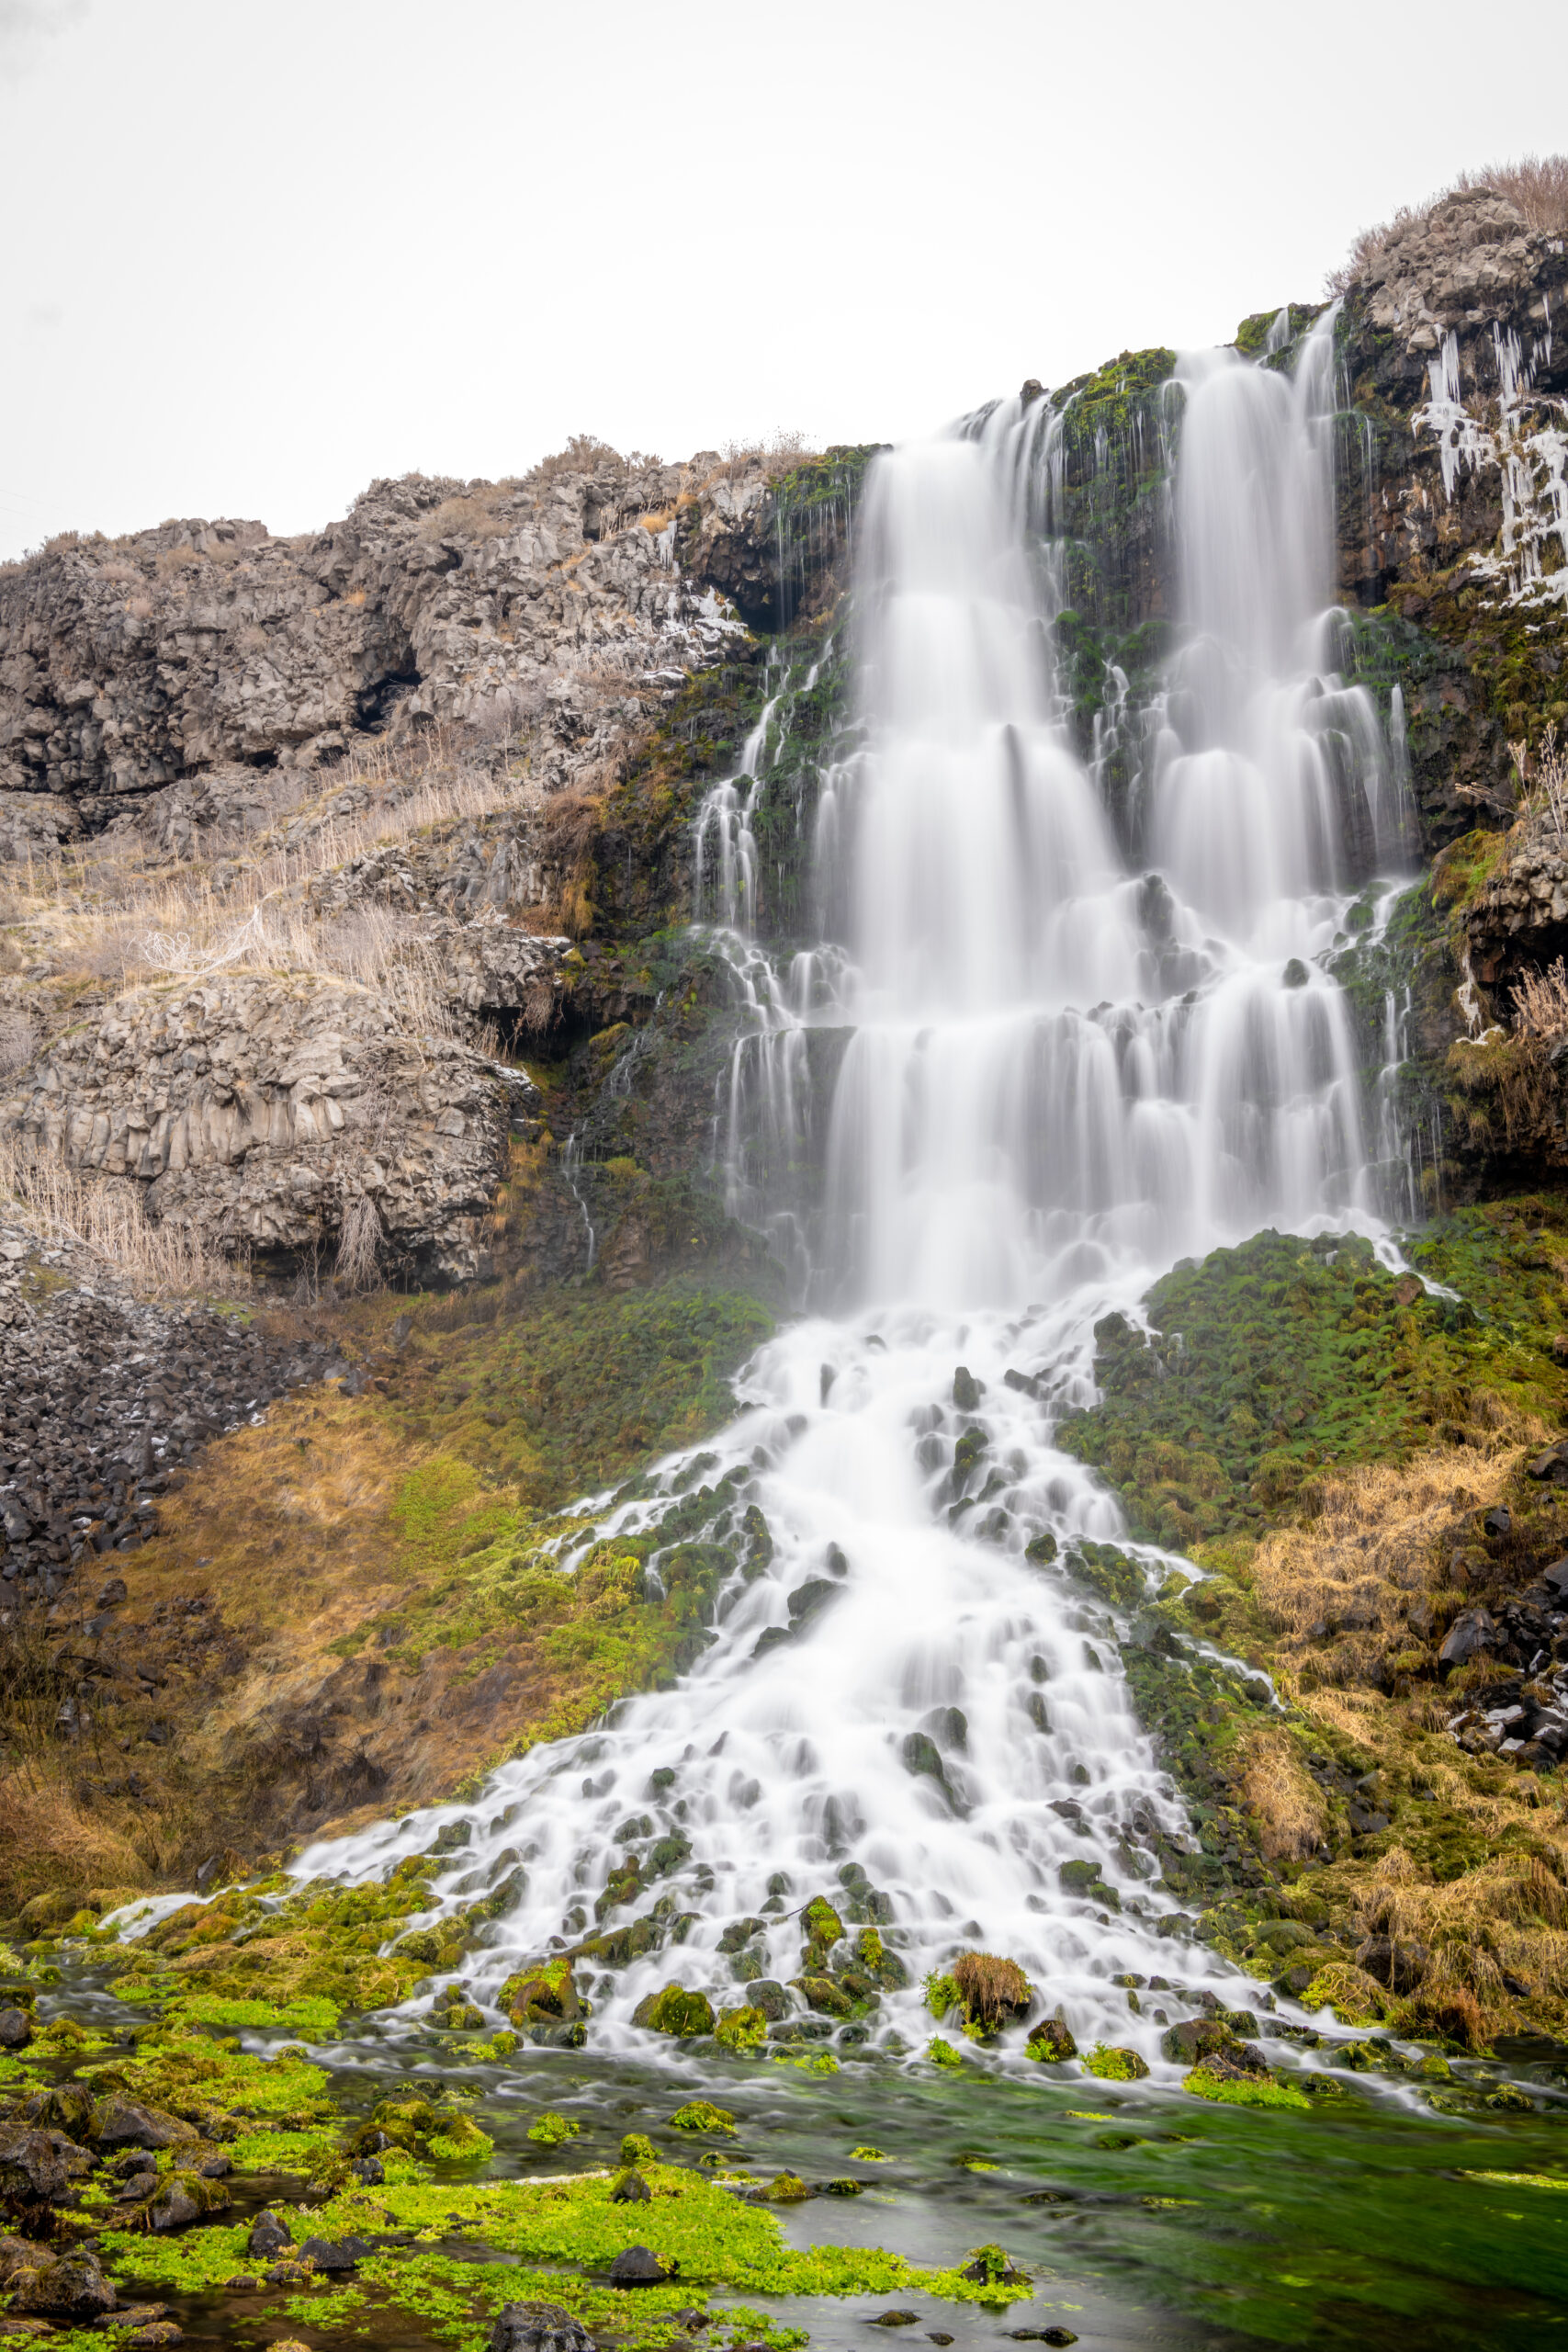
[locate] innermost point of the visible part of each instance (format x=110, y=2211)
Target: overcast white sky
x=257, y=252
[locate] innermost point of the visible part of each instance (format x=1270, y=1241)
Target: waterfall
x=1066, y=1062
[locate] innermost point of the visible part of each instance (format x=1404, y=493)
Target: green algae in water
x=1229, y=2090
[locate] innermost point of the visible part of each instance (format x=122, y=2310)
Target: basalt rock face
x=1452, y=530
x=199, y=649
x=263, y=1111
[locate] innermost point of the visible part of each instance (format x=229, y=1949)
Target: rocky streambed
x=268, y=2168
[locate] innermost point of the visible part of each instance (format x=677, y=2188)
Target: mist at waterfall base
x=1078, y=1044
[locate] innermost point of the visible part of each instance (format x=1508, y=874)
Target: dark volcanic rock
x=538, y=2327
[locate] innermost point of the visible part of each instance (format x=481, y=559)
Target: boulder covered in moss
x=674, y=2010
x=1115, y=2063
x=1051, y=2042
x=543, y=1994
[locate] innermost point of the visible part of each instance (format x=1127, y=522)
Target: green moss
x=1269, y=1361
x=941, y=2053
x=741, y=2030
x=701, y=2115
x=550, y=2128
x=1110, y=2064
x=941, y=1992
x=1227, y=2090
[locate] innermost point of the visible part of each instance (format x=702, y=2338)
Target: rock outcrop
x=281, y=1115
x=198, y=649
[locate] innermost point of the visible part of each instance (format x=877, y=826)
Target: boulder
x=15, y=2028
x=637, y=2267
x=336, y=2256
x=674, y=2010
x=35, y=2167
x=1051, y=2043
x=122, y=2122
x=538, y=2327
x=64, y=2287
x=269, y=2235
x=1472, y=1632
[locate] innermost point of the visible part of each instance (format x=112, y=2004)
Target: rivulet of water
x=1067, y=1059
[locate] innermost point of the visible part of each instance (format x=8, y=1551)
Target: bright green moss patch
x=1242, y=2090
x=550, y=2128
x=701, y=2115
x=316, y=2016
x=1111, y=2063
x=1268, y=1363
x=941, y=2053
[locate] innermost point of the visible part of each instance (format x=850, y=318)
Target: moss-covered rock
x=674, y=2010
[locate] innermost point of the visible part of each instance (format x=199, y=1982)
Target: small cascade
x=1049, y=1065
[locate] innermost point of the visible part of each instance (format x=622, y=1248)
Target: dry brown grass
x=104, y=1218
x=1375, y=1549
x=1540, y=1001
x=1283, y=1799
x=1469, y=1934
x=49, y=1837
x=992, y=1989
x=1542, y=775
x=100, y=913
x=478, y=512
x=1538, y=185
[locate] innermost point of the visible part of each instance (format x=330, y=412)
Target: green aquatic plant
x=550, y=2128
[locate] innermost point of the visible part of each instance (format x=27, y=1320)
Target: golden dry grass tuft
x=105, y=1218
x=1342, y=1585
x=1285, y=1801
x=49, y=1837
x=992, y=1988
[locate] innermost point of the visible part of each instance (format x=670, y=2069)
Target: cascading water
x=1069, y=1059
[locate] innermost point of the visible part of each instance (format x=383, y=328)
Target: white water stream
x=1067, y=1068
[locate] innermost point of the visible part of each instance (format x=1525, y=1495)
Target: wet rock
x=1196, y=2040
x=809, y=1599
x=66, y=2286
x=120, y=2122
x=370, y=2172
x=15, y=2028
x=631, y=2190
x=637, y=2267
x=674, y=2010
x=336, y=2256
x=770, y=1997
x=33, y=2170
x=894, y=2319
x=1083, y=1879
x=822, y=1993
x=545, y=1993
x=1051, y=2043
x=186, y=2197
x=269, y=2235
x=967, y=1390
x=538, y=2327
